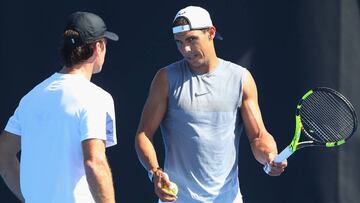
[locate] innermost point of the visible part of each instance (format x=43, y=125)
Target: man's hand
x=276, y=169
x=160, y=180
x=265, y=152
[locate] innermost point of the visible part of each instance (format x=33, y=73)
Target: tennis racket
x=324, y=117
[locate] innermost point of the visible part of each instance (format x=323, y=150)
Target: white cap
x=198, y=18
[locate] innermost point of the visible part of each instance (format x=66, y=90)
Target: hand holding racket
x=324, y=117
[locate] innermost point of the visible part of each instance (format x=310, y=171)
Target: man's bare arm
x=97, y=170
x=9, y=163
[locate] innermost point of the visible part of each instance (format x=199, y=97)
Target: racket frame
x=295, y=144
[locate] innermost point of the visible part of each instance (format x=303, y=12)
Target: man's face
x=194, y=45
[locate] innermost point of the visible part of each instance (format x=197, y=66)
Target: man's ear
x=212, y=32
x=98, y=47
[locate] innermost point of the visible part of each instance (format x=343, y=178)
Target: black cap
x=90, y=27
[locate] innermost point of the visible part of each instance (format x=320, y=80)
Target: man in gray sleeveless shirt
x=202, y=104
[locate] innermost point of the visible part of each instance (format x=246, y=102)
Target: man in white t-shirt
x=63, y=125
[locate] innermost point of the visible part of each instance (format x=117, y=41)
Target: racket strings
x=334, y=115
x=345, y=119
x=326, y=117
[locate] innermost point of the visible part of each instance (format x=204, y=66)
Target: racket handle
x=281, y=157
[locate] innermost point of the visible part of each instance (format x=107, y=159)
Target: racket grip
x=281, y=157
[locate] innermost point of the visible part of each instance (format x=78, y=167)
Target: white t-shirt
x=52, y=120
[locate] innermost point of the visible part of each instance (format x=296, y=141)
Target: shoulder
x=177, y=64
x=232, y=67
x=169, y=70
x=176, y=67
x=249, y=85
x=238, y=71
x=94, y=96
x=160, y=78
x=37, y=89
x=100, y=93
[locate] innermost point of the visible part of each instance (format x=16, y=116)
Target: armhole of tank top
x=167, y=70
x=243, y=78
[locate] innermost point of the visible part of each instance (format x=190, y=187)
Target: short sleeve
x=13, y=125
x=98, y=121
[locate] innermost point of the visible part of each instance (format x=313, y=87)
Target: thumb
x=165, y=179
x=270, y=158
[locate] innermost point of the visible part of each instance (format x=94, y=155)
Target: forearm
x=146, y=151
x=100, y=181
x=10, y=173
x=263, y=147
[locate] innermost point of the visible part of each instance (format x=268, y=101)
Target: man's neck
x=84, y=69
x=207, y=67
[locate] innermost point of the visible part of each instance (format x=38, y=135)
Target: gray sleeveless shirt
x=201, y=131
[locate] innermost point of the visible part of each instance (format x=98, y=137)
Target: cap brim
x=111, y=35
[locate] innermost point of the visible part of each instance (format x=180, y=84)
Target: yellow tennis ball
x=173, y=188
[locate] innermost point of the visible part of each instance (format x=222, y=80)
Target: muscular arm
x=97, y=170
x=152, y=115
x=9, y=163
x=262, y=142
x=153, y=112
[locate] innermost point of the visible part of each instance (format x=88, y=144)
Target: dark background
x=288, y=46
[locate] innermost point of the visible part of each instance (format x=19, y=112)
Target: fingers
x=277, y=168
x=161, y=180
x=164, y=195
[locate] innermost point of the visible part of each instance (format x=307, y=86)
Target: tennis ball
x=172, y=189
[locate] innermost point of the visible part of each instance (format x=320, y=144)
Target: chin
x=196, y=63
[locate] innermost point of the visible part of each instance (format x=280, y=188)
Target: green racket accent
x=324, y=117
x=307, y=94
x=333, y=144
x=294, y=143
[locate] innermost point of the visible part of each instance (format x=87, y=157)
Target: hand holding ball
x=173, y=188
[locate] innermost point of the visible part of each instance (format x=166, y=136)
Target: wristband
x=151, y=173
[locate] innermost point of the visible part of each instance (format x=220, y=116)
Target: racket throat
x=298, y=126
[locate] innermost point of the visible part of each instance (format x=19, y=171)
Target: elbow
x=5, y=161
x=8, y=164
x=138, y=144
x=142, y=139
x=95, y=164
x=2, y=165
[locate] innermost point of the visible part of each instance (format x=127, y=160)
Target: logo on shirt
x=201, y=94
